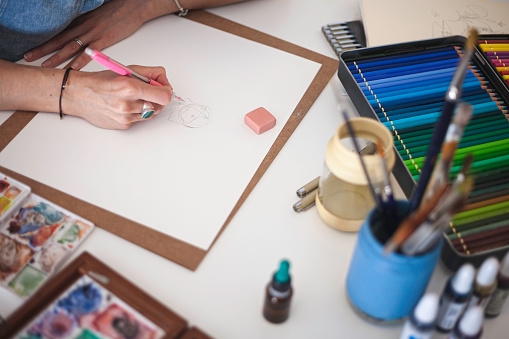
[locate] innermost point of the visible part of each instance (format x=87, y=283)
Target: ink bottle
x=455, y=296
x=470, y=324
x=501, y=293
x=278, y=295
x=485, y=282
x=343, y=196
x=421, y=322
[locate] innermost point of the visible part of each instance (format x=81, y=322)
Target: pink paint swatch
x=260, y=120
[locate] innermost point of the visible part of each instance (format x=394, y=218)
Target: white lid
x=471, y=323
x=463, y=279
x=427, y=308
x=488, y=272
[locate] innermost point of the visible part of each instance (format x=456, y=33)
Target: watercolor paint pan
x=88, y=299
x=368, y=61
x=12, y=194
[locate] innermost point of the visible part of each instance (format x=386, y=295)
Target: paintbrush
x=452, y=96
x=452, y=139
x=428, y=234
x=414, y=220
x=390, y=205
x=372, y=189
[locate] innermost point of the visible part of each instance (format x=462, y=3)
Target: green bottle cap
x=282, y=276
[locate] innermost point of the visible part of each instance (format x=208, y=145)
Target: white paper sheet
x=178, y=180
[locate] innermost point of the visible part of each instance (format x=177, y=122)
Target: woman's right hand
x=108, y=100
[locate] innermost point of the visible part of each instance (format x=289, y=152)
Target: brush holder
x=384, y=288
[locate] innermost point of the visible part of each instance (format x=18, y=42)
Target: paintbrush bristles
x=448, y=151
x=463, y=114
x=460, y=121
x=379, y=148
x=473, y=35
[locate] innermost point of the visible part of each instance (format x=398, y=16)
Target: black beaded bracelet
x=64, y=82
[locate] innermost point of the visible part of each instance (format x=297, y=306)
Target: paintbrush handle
x=431, y=156
x=376, y=197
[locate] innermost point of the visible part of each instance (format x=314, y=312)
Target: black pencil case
x=451, y=256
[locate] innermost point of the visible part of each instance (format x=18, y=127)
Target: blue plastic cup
x=385, y=288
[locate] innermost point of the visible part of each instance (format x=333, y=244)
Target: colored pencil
x=503, y=54
x=397, y=70
x=473, y=227
x=425, y=53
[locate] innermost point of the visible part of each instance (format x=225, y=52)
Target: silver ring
x=79, y=42
x=148, y=110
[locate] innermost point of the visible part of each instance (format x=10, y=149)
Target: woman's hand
x=106, y=25
x=108, y=100
x=98, y=29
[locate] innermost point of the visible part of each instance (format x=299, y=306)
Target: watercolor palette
x=88, y=310
x=88, y=299
x=34, y=242
x=403, y=87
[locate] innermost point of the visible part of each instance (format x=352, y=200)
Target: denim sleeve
x=25, y=24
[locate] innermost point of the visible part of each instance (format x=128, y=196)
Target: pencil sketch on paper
x=187, y=113
x=471, y=16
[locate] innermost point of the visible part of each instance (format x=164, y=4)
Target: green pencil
x=495, y=126
x=480, y=139
x=480, y=166
x=463, y=218
x=476, y=224
x=410, y=140
x=463, y=233
x=480, y=152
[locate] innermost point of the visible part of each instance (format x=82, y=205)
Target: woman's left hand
x=96, y=29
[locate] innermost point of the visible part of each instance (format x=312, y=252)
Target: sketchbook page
x=182, y=172
x=396, y=21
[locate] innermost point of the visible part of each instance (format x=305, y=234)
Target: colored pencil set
x=405, y=87
x=496, y=51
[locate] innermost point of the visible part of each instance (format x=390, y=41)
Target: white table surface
x=224, y=296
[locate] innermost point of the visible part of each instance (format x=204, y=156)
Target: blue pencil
x=427, y=100
x=369, y=66
x=404, y=96
x=485, y=96
x=405, y=69
x=429, y=77
x=429, y=108
x=428, y=127
x=426, y=130
x=416, y=76
x=481, y=122
x=451, y=98
x=402, y=55
x=429, y=118
x=478, y=109
x=389, y=75
x=378, y=89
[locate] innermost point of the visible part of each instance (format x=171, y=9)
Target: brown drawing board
x=164, y=245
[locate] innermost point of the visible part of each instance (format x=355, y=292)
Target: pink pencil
x=117, y=67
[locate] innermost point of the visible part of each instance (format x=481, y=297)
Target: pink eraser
x=260, y=120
